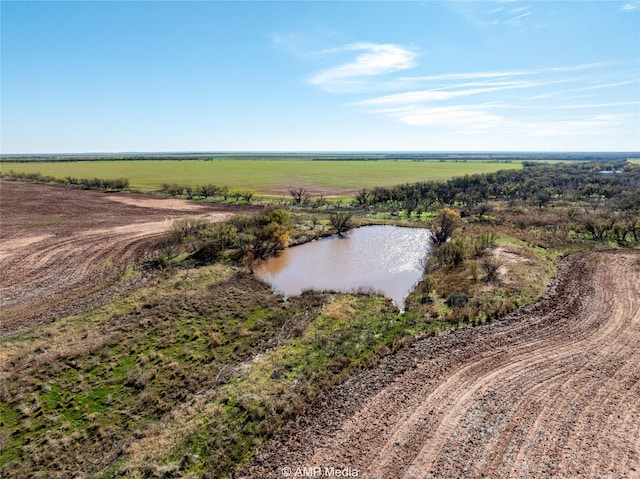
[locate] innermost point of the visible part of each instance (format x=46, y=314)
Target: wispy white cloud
x=516, y=102
x=630, y=7
x=501, y=74
x=375, y=59
x=468, y=75
x=476, y=119
x=290, y=41
x=518, y=17
x=565, y=106
x=600, y=86
x=521, y=9
x=477, y=14
x=451, y=92
x=573, y=68
x=465, y=118
x=593, y=125
x=496, y=97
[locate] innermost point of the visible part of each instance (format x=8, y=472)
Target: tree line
x=536, y=182
x=85, y=183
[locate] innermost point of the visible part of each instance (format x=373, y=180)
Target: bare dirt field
x=551, y=391
x=63, y=249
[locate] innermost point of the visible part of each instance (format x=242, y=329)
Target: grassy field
x=264, y=176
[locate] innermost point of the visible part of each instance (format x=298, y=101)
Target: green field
x=263, y=176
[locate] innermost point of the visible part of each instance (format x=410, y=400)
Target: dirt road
x=63, y=249
x=552, y=391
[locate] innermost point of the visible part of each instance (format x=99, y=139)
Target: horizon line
x=322, y=152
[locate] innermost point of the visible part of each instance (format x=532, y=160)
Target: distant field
x=265, y=176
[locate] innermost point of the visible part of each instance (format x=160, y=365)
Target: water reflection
x=383, y=258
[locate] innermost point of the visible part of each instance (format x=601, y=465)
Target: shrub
x=207, y=190
x=443, y=225
x=319, y=202
x=599, y=226
x=246, y=195
x=456, y=300
x=187, y=227
x=341, y=221
x=491, y=266
x=425, y=289
x=252, y=237
x=266, y=241
x=86, y=183
x=473, y=271
x=169, y=248
x=483, y=242
x=445, y=255
x=217, y=239
x=173, y=189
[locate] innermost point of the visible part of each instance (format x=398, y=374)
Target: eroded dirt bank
x=552, y=391
x=63, y=249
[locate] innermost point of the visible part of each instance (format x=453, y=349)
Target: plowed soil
x=63, y=249
x=551, y=391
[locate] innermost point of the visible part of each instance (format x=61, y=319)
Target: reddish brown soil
x=552, y=391
x=314, y=190
x=63, y=249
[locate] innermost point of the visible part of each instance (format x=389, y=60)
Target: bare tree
x=341, y=221
x=169, y=248
x=300, y=195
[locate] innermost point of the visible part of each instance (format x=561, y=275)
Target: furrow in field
x=61, y=247
x=551, y=392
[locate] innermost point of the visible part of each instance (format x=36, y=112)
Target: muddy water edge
x=385, y=259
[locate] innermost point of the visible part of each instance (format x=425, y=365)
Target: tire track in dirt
x=552, y=391
x=61, y=268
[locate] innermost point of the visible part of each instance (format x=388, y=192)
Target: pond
x=385, y=259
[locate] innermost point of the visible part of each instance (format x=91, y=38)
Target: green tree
x=443, y=225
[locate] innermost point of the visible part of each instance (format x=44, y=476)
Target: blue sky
x=320, y=76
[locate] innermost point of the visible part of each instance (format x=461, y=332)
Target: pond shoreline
x=385, y=259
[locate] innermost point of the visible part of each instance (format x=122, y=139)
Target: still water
x=383, y=258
